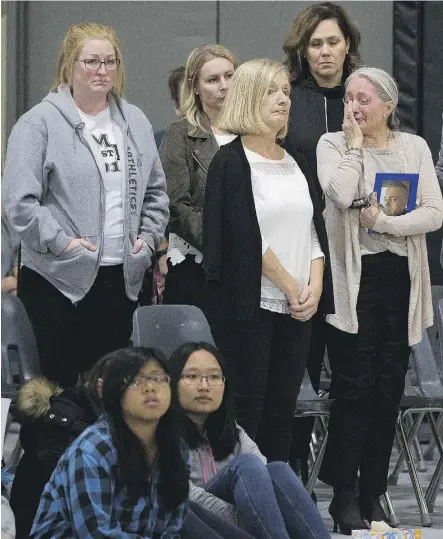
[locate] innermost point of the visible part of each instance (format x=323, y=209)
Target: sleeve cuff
x=264, y=246
x=59, y=243
x=317, y=253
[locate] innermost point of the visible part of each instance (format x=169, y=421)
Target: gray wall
x=158, y=36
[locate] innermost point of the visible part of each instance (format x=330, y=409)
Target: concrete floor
x=404, y=502
x=402, y=496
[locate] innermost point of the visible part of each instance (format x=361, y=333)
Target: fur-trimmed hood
x=34, y=397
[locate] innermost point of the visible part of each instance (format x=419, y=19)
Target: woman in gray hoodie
x=229, y=476
x=84, y=189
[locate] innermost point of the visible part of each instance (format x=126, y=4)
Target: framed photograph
x=396, y=193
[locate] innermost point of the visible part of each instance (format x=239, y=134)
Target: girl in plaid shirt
x=124, y=476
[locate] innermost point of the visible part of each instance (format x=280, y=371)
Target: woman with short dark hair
x=321, y=50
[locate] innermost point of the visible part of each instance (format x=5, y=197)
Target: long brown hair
x=302, y=28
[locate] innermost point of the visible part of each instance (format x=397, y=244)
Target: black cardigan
x=232, y=247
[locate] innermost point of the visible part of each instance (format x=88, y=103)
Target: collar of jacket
x=311, y=84
x=196, y=132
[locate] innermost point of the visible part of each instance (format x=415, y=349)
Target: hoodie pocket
x=138, y=263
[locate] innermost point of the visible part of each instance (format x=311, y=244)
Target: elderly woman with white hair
x=382, y=288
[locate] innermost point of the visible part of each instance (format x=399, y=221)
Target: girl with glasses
x=230, y=477
x=125, y=475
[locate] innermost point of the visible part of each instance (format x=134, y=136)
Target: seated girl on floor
x=230, y=476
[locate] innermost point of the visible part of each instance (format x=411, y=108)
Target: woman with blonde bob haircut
x=84, y=189
x=264, y=243
x=251, y=87
x=187, y=149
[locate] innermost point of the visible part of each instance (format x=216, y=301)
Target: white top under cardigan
x=284, y=211
x=178, y=248
x=343, y=178
x=106, y=141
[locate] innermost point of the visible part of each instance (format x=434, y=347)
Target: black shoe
x=371, y=508
x=345, y=511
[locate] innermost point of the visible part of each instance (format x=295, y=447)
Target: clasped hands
x=303, y=305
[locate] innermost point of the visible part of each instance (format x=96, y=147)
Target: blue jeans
x=271, y=501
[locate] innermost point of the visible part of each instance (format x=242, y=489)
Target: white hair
x=386, y=88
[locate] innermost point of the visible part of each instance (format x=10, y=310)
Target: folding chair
x=309, y=404
x=167, y=327
x=425, y=399
x=20, y=361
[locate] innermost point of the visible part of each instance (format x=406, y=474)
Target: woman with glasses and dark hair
x=321, y=50
x=84, y=189
x=230, y=476
x=125, y=475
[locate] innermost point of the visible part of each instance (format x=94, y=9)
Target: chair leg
x=434, y=485
x=425, y=517
x=421, y=466
x=392, y=516
x=393, y=478
x=429, y=453
x=316, y=468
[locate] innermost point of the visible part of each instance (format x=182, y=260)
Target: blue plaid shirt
x=82, y=498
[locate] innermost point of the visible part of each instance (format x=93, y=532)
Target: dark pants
x=368, y=377
x=267, y=359
x=70, y=338
x=302, y=426
x=184, y=283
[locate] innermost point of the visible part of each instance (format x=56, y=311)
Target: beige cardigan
x=342, y=178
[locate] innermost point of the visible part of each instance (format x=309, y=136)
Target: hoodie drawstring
x=204, y=464
x=326, y=114
x=139, y=153
x=78, y=128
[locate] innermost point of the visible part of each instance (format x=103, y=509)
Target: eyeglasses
x=363, y=101
x=194, y=379
x=159, y=380
x=93, y=64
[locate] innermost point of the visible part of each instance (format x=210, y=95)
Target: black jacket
x=232, y=248
x=314, y=112
x=52, y=419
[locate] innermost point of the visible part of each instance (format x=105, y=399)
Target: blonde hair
x=241, y=113
x=191, y=105
x=72, y=45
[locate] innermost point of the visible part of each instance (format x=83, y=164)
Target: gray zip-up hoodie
x=53, y=192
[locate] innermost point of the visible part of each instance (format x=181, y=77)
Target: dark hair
x=302, y=28
x=120, y=369
x=175, y=79
x=221, y=428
